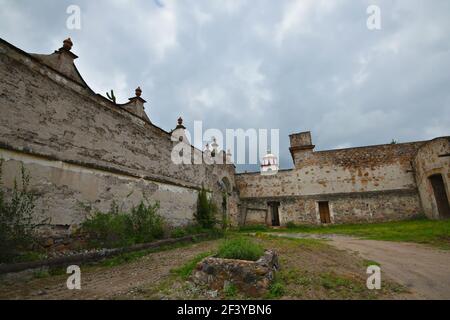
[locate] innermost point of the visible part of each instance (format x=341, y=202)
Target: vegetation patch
x=420, y=230
x=119, y=229
x=368, y=263
x=254, y=228
x=230, y=290
x=133, y=256
x=240, y=248
x=186, y=270
x=195, y=229
x=294, y=242
x=17, y=226
x=276, y=290
x=206, y=210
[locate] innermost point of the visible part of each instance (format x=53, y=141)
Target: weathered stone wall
x=432, y=158
x=81, y=148
x=361, y=184
x=83, y=151
x=377, y=168
x=344, y=208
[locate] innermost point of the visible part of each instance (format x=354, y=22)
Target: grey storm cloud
x=306, y=65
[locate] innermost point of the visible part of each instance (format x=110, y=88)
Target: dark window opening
x=324, y=210
x=440, y=195
x=274, y=213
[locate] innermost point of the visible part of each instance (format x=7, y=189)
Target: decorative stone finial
x=138, y=91
x=180, y=124
x=67, y=44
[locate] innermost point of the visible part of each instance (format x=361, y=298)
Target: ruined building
x=84, y=151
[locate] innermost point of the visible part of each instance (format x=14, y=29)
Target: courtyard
x=314, y=264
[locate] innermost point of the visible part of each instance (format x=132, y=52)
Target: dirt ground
x=425, y=271
x=311, y=269
x=102, y=282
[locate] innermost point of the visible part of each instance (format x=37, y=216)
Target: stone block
x=252, y=278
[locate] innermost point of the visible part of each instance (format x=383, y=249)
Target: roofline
x=94, y=94
x=375, y=146
x=259, y=172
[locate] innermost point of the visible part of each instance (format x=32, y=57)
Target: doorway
x=274, y=213
x=324, y=210
x=437, y=183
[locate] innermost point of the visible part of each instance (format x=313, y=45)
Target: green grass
x=293, y=242
x=276, y=290
x=331, y=281
x=240, y=248
x=431, y=232
x=29, y=256
x=368, y=263
x=124, y=258
x=186, y=270
x=230, y=291
x=254, y=228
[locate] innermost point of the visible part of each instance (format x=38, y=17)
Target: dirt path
x=107, y=282
x=425, y=271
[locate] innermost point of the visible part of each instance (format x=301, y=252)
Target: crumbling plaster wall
x=80, y=147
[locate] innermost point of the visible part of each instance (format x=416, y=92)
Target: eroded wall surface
x=84, y=152
x=81, y=148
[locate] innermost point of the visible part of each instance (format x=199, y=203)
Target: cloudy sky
x=305, y=65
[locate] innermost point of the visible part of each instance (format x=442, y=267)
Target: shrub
x=146, y=224
x=206, y=210
x=240, y=248
x=114, y=228
x=178, y=233
x=17, y=229
x=192, y=229
x=291, y=225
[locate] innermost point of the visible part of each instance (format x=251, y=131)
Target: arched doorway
x=440, y=195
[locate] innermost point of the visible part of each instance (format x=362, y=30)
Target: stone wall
x=80, y=148
x=433, y=158
x=84, y=152
x=374, y=183
x=344, y=208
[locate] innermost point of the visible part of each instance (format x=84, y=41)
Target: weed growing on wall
x=17, y=229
